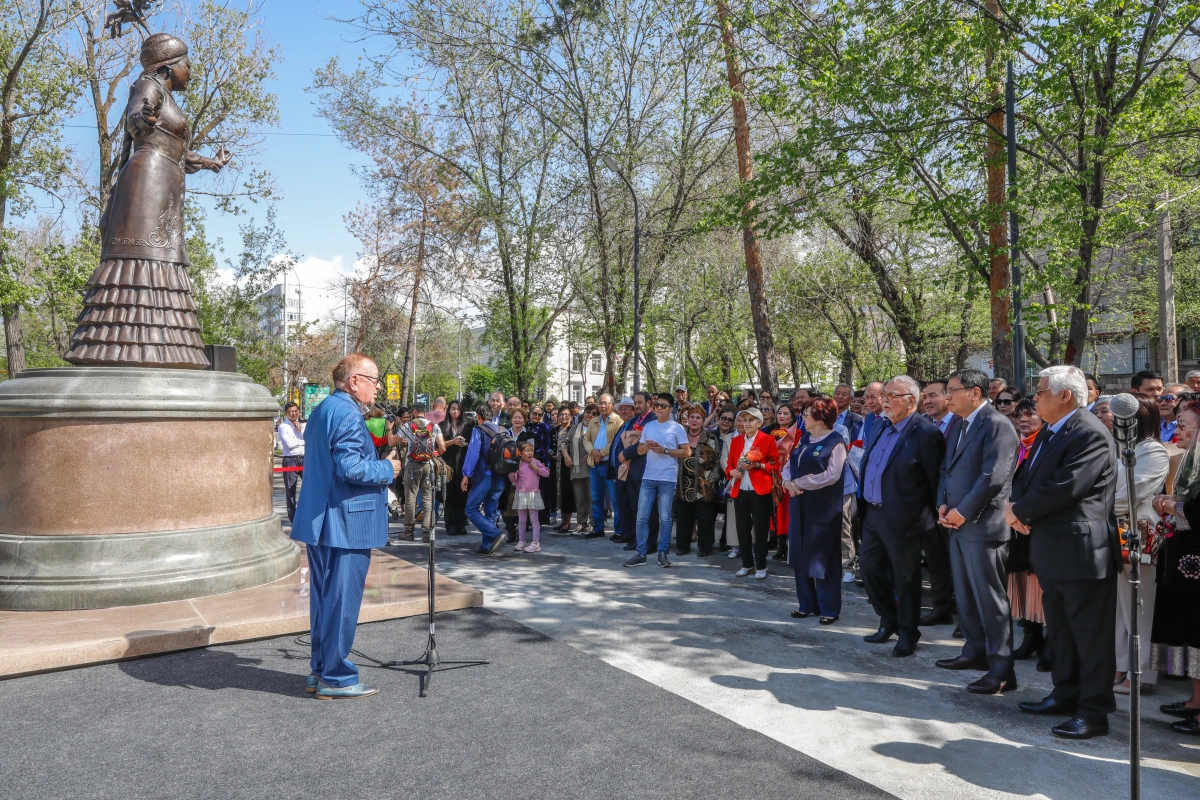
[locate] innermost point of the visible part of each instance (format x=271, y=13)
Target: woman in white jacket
x=1149, y=475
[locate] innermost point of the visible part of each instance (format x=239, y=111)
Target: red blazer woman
x=760, y=479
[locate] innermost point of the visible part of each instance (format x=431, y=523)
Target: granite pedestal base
x=121, y=486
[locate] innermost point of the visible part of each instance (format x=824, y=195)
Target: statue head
x=162, y=51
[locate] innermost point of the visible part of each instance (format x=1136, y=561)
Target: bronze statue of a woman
x=139, y=309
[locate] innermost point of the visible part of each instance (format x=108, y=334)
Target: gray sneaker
x=495, y=545
x=635, y=560
x=662, y=560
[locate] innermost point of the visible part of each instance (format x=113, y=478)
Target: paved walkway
x=729, y=645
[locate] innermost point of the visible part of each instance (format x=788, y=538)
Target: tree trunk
x=998, y=281
x=14, y=339
x=794, y=363
x=754, y=271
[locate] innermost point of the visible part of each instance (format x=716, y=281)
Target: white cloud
x=320, y=289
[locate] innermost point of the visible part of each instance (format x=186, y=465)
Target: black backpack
x=503, y=457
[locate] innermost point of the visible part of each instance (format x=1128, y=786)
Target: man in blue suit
x=341, y=515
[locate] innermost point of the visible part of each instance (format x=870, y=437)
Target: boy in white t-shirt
x=663, y=442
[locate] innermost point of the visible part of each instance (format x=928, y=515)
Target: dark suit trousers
x=891, y=573
x=290, y=482
x=981, y=587
x=937, y=561
x=1081, y=621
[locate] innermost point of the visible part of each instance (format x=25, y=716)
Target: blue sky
x=312, y=169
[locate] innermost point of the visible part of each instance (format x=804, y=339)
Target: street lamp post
x=637, y=283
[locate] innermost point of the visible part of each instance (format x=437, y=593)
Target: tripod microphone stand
x=433, y=663
x=1124, y=408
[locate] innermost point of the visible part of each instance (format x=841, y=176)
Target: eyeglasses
x=950, y=390
x=726, y=419
x=895, y=395
x=1005, y=402
x=372, y=378
x=662, y=405
x=1165, y=398
x=767, y=409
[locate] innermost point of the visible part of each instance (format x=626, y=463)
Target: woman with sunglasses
x=1006, y=403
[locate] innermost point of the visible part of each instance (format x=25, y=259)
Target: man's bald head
x=349, y=365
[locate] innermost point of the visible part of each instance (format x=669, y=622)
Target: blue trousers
x=338, y=577
x=602, y=487
x=664, y=493
x=819, y=595
x=486, y=493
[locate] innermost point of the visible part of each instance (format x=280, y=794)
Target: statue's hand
x=222, y=158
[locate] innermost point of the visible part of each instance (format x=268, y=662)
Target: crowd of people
x=1009, y=505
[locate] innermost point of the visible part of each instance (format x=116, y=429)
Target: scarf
x=1026, y=444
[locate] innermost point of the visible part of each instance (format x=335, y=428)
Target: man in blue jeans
x=664, y=441
x=482, y=487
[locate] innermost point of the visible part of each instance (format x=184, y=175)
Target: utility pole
x=286, y=394
x=1168, y=351
x=345, y=316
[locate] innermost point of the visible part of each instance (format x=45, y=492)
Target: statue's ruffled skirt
x=138, y=313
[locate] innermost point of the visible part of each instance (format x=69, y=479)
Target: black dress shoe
x=827, y=620
x=991, y=684
x=1033, y=643
x=801, y=614
x=1080, y=728
x=1189, y=727
x=880, y=636
x=630, y=545
x=618, y=538
x=703, y=553
x=594, y=535
x=904, y=648
x=683, y=552
x=1179, y=709
x=937, y=618
x=1049, y=705
x=961, y=662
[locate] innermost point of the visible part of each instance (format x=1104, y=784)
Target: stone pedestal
x=122, y=486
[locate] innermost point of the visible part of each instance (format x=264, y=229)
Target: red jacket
x=760, y=479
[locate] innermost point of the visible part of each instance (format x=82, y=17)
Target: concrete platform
x=36, y=641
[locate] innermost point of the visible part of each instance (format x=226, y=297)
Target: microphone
x=1124, y=408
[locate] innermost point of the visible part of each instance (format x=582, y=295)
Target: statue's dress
x=139, y=309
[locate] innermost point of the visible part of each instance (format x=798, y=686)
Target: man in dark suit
x=897, y=496
x=936, y=405
x=972, y=493
x=1062, y=498
x=843, y=393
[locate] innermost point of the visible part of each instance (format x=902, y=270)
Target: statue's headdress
x=160, y=49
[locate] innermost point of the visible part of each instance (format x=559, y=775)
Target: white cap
x=625, y=401
x=681, y=388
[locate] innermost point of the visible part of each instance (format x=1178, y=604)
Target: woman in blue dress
x=813, y=479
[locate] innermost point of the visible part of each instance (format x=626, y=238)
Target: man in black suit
x=1062, y=498
x=973, y=491
x=897, y=497
x=936, y=405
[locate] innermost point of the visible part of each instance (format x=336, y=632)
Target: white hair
x=908, y=384
x=1193, y=374
x=1069, y=378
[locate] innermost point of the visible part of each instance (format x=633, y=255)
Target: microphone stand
x=433, y=663
x=1127, y=428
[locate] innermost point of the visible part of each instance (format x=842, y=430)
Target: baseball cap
x=625, y=401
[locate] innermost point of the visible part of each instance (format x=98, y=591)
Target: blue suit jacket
x=343, y=500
